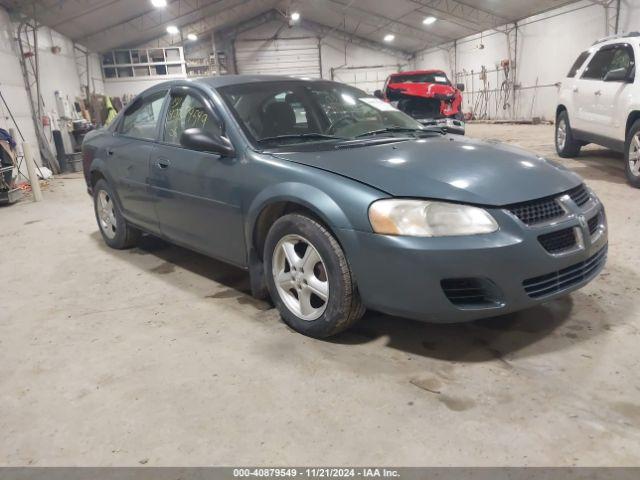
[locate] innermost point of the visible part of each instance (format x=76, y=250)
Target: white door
x=593, y=93
x=613, y=95
x=298, y=57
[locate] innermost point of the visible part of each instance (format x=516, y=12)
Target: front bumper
x=450, y=125
x=404, y=276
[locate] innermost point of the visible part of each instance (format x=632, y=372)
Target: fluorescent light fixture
x=159, y=3
x=192, y=37
x=429, y=20
x=295, y=16
x=389, y=37
x=172, y=30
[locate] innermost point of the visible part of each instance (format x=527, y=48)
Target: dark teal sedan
x=334, y=201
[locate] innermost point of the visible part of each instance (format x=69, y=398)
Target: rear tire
x=566, y=145
x=632, y=155
x=304, y=263
x=114, y=228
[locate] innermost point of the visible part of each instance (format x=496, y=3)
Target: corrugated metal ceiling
x=106, y=24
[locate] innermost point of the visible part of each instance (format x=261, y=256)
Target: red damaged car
x=428, y=96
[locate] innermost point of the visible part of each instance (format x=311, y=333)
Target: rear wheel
x=309, y=278
x=566, y=145
x=632, y=155
x=114, y=229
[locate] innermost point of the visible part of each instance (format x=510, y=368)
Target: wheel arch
x=275, y=202
x=559, y=109
x=289, y=198
x=98, y=171
x=633, y=117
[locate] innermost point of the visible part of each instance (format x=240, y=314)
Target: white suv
x=599, y=102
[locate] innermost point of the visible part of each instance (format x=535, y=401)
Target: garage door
x=368, y=79
x=285, y=56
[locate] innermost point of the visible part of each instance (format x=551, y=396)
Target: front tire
x=632, y=155
x=566, y=145
x=114, y=229
x=309, y=278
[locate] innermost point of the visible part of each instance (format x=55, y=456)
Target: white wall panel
x=12, y=87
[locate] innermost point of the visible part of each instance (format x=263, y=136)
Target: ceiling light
x=295, y=16
x=172, y=30
x=390, y=37
x=192, y=37
x=159, y=3
x=429, y=20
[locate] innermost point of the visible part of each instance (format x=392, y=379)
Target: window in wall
x=141, y=118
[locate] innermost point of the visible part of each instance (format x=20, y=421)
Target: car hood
x=424, y=90
x=446, y=167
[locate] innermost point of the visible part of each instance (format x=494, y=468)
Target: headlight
x=425, y=218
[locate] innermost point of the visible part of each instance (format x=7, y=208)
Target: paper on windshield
x=378, y=104
x=440, y=79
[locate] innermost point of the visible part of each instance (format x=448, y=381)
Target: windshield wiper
x=398, y=129
x=304, y=136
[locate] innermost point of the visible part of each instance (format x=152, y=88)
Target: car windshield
x=285, y=113
x=433, y=77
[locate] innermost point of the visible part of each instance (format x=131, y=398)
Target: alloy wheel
x=561, y=134
x=634, y=155
x=300, y=276
x=106, y=214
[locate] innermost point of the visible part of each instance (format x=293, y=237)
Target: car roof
x=616, y=38
x=225, y=80
x=417, y=72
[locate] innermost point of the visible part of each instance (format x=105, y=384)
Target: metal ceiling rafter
x=324, y=30
x=154, y=18
x=461, y=12
x=612, y=15
x=383, y=21
x=207, y=25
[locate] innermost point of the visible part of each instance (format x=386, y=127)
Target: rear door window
x=141, y=118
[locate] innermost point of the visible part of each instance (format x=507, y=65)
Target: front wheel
x=632, y=155
x=309, y=278
x=566, y=145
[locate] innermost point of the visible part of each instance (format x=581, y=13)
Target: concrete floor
x=158, y=356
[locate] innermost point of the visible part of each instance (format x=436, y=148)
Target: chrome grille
x=579, y=195
x=537, y=211
x=594, y=223
x=558, y=241
x=548, y=208
x=557, y=281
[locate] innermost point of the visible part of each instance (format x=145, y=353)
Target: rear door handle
x=163, y=163
x=597, y=93
x=109, y=152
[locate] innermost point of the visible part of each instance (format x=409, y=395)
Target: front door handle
x=109, y=152
x=575, y=89
x=597, y=93
x=163, y=163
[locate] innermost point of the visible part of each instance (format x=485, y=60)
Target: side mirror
x=460, y=86
x=201, y=141
x=378, y=94
x=617, y=75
